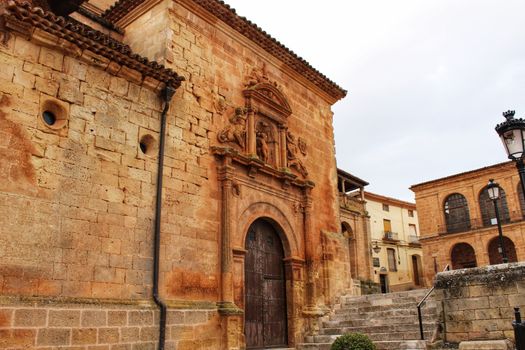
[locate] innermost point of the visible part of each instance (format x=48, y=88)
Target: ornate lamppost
x=512, y=134
x=493, y=190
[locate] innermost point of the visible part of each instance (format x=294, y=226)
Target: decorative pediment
x=265, y=96
x=268, y=95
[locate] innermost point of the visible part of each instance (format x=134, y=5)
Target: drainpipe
x=167, y=95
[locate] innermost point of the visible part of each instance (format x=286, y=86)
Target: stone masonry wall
x=478, y=303
x=34, y=323
x=78, y=205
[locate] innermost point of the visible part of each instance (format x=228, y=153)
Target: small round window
x=54, y=114
x=148, y=145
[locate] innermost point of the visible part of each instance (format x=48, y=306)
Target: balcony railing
x=351, y=203
x=477, y=223
x=413, y=239
x=390, y=236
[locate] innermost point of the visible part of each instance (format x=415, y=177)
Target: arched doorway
x=265, y=293
x=463, y=256
x=495, y=256
x=347, y=231
x=416, y=270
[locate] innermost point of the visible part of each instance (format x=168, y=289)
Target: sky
x=427, y=80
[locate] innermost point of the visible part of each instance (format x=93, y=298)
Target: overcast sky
x=427, y=80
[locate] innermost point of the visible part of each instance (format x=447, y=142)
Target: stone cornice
x=254, y=165
x=248, y=29
x=81, y=40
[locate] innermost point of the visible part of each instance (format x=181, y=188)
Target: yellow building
x=396, y=252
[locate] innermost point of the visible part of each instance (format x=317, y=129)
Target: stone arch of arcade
x=463, y=255
x=494, y=254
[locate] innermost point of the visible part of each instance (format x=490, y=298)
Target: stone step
x=396, y=330
x=415, y=294
x=385, y=319
x=429, y=309
x=374, y=336
x=380, y=345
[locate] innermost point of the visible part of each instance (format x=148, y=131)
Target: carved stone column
x=251, y=138
x=231, y=314
x=311, y=310
x=282, y=145
x=226, y=172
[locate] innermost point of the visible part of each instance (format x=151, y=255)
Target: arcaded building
x=458, y=222
x=168, y=175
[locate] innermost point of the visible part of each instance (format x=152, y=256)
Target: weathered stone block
x=30, y=318
x=53, y=337
x=64, y=318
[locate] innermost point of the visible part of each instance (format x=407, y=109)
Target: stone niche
x=478, y=302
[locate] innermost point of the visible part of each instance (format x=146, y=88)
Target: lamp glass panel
x=493, y=192
x=513, y=142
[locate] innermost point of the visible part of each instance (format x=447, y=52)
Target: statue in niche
x=264, y=141
x=263, y=150
x=236, y=132
x=292, y=150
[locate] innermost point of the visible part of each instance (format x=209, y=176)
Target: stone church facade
x=230, y=130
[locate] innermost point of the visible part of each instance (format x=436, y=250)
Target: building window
x=392, y=264
x=410, y=213
x=457, y=215
x=486, y=206
x=412, y=229
x=386, y=207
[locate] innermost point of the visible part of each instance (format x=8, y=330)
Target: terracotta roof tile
x=88, y=38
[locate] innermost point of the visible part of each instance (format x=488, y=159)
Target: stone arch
x=486, y=207
x=348, y=233
x=276, y=217
x=463, y=255
x=494, y=254
x=456, y=213
x=347, y=230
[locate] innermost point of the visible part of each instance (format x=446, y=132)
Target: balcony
x=390, y=236
x=413, y=241
x=351, y=203
x=478, y=223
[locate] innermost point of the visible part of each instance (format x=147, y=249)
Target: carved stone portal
x=260, y=128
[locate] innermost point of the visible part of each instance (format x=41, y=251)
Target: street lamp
x=376, y=248
x=493, y=190
x=512, y=134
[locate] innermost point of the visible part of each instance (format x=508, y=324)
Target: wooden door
x=415, y=270
x=265, y=295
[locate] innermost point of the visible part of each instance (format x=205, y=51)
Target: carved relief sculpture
x=292, y=151
x=236, y=131
x=264, y=142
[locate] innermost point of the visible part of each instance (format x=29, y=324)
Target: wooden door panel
x=265, y=298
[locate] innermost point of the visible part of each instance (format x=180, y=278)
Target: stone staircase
x=390, y=320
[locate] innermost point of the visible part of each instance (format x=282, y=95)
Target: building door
x=415, y=270
x=265, y=294
x=383, y=280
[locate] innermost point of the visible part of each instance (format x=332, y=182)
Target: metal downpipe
x=167, y=95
